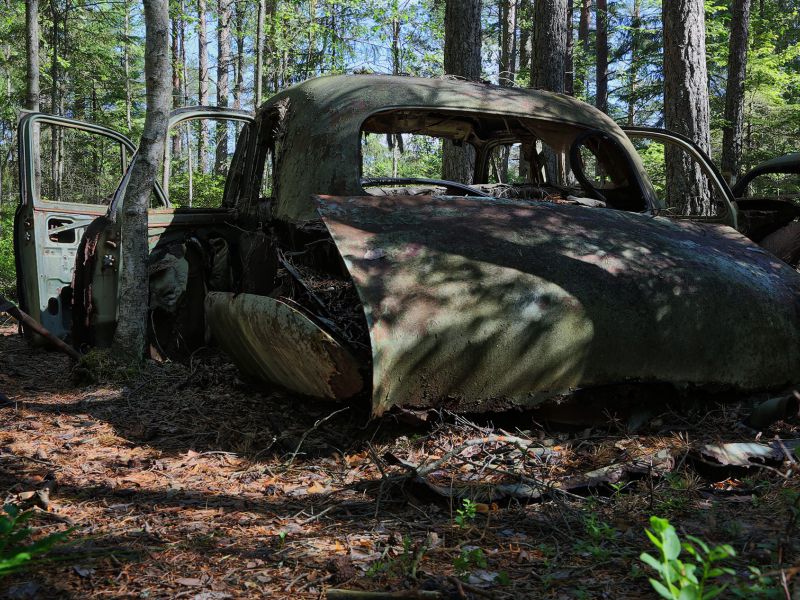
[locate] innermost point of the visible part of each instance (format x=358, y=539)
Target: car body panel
x=46, y=233
x=320, y=123
x=273, y=341
x=480, y=304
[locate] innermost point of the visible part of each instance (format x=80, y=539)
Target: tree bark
x=686, y=106
x=258, y=76
x=238, y=87
x=202, y=79
x=508, y=43
x=32, y=91
x=223, y=64
x=549, y=45
x=524, y=18
x=548, y=64
x=131, y=333
x=569, y=66
x=734, y=90
x=583, y=39
x=126, y=57
x=636, y=25
x=601, y=96
x=462, y=57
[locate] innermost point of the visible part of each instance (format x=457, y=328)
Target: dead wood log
x=13, y=310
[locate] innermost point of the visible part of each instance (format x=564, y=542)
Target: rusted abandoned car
x=342, y=262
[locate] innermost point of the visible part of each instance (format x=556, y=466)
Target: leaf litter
x=185, y=481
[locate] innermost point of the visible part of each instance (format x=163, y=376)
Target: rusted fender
x=479, y=304
x=272, y=341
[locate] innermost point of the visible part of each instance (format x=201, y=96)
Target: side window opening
x=200, y=152
x=77, y=166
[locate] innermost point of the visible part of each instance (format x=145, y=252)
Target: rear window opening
x=425, y=152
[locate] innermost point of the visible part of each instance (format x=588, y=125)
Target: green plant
x=468, y=559
x=404, y=565
x=687, y=580
x=466, y=513
x=17, y=551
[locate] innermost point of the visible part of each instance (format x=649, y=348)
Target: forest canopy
x=238, y=53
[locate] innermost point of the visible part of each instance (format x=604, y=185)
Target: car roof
x=320, y=122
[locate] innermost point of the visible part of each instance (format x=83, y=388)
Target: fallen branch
x=13, y=310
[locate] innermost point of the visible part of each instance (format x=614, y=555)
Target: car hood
x=482, y=304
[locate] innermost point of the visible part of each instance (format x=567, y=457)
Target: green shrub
x=17, y=551
x=8, y=272
x=685, y=580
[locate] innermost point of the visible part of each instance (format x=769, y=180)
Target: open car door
x=192, y=236
x=69, y=171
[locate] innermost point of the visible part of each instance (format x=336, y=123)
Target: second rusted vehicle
x=343, y=261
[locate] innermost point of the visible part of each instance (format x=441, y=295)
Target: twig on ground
x=314, y=427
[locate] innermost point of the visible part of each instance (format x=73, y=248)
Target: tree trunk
x=549, y=45
x=583, y=39
x=202, y=79
x=238, y=87
x=175, y=141
x=508, y=43
x=686, y=108
x=32, y=51
x=569, y=66
x=734, y=90
x=32, y=90
x=548, y=64
x=131, y=333
x=636, y=25
x=462, y=57
x=601, y=97
x=126, y=57
x=524, y=18
x=223, y=64
x=507, y=68
x=258, y=76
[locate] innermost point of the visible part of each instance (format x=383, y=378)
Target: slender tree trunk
x=462, y=57
x=582, y=76
x=507, y=67
x=126, y=58
x=524, y=18
x=548, y=64
x=312, y=16
x=734, y=90
x=686, y=107
x=601, y=97
x=202, y=79
x=508, y=42
x=32, y=90
x=258, y=76
x=238, y=87
x=32, y=50
x=131, y=333
x=223, y=64
x=633, y=68
x=569, y=68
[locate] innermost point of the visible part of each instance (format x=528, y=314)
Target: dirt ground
x=186, y=482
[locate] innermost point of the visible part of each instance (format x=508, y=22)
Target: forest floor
x=185, y=482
